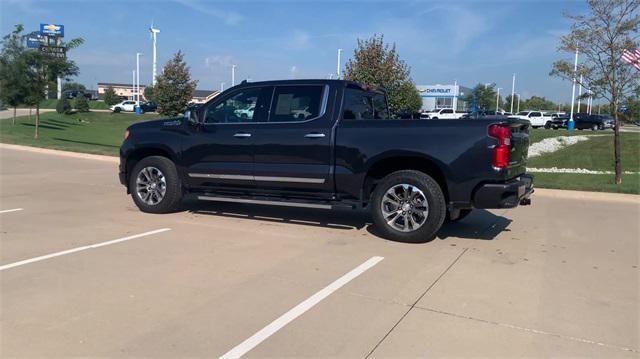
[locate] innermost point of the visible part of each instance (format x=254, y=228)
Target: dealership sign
x=55, y=51
x=438, y=90
x=52, y=30
x=34, y=40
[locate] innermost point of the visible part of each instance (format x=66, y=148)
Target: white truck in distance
x=537, y=118
x=441, y=114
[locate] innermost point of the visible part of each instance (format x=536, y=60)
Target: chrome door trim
x=242, y=135
x=314, y=135
x=258, y=201
x=221, y=176
x=288, y=179
x=258, y=178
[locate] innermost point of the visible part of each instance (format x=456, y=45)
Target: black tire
x=117, y=110
x=595, y=127
x=434, y=198
x=434, y=118
x=170, y=202
x=461, y=216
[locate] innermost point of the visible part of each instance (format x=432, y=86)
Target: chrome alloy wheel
x=404, y=207
x=151, y=185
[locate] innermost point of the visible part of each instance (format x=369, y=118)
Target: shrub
x=63, y=106
x=82, y=105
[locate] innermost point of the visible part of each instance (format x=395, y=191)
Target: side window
x=535, y=114
x=238, y=107
x=447, y=111
x=363, y=105
x=296, y=103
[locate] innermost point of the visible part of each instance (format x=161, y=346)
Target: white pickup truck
x=536, y=118
x=441, y=114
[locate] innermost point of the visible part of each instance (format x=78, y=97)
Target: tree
x=12, y=67
x=110, y=97
x=82, y=105
x=601, y=37
x=148, y=94
x=482, y=97
x=63, y=106
x=174, y=87
x=376, y=63
x=539, y=103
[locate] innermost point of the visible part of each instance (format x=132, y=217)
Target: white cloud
x=228, y=17
x=300, y=40
x=216, y=61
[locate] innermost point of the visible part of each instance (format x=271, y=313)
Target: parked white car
x=124, y=106
x=442, y=114
x=245, y=112
x=537, y=118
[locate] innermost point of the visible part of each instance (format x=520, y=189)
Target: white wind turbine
x=154, y=33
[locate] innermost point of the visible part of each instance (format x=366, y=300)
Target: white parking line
x=78, y=249
x=244, y=347
x=11, y=210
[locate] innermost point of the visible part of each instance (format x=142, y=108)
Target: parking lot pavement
x=559, y=277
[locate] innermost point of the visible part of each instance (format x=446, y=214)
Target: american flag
x=632, y=57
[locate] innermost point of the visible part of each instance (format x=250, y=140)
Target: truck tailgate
x=519, y=147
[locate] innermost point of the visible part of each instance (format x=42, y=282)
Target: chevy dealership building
x=443, y=96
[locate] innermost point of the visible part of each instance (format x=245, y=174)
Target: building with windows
x=443, y=96
x=126, y=92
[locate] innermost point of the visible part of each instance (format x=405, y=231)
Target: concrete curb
x=592, y=196
x=47, y=151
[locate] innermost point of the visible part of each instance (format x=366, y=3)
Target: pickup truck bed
x=326, y=144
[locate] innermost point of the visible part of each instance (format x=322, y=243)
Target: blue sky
x=442, y=41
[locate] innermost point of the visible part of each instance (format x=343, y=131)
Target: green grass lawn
x=92, y=132
x=594, y=154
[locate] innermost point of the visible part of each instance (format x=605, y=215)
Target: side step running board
x=265, y=202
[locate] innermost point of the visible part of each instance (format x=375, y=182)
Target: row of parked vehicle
x=548, y=120
x=130, y=106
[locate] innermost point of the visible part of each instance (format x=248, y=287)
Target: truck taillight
x=502, y=150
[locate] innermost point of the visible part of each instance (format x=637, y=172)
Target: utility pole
x=498, y=100
x=570, y=124
x=233, y=75
x=338, y=68
x=138, y=78
x=513, y=90
x=154, y=33
x=579, y=94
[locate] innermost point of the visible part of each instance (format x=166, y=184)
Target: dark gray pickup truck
x=328, y=144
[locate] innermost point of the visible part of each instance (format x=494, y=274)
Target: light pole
x=513, y=90
x=338, y=68
x=138, y=54
x=498, y=99
x=154, y=33
x=221, y=86
x=233, y=75
x=579, y=94
x=570, y=124
x=133, y=85
x=518, y=103
x=454, y=102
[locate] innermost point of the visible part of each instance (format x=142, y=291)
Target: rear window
x=296, y=103
x=364, y=105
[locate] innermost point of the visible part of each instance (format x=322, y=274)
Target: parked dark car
x=345, y=153
x=559, y=121
x=594, y=122
x=148, y=107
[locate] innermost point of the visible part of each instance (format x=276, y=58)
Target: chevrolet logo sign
x=51, y=27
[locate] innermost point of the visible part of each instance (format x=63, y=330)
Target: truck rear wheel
x=155, y=185
x=408, y=206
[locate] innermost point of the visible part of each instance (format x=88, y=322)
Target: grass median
x=90, y=132
x=594, y=154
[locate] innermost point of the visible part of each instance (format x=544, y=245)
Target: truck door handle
x=314, y=135
x=242, y=135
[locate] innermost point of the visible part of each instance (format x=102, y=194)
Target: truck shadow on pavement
x=479, y=225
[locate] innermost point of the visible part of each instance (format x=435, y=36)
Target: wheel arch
x=397, y=162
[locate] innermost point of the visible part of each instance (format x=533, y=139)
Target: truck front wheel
x=155, y=185
x=408, y=206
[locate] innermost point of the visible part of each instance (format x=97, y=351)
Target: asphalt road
x=84, y=273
